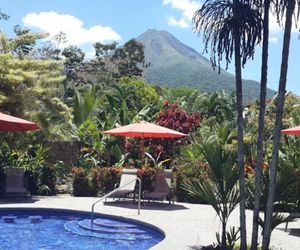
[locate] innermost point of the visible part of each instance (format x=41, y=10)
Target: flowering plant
x=173, y=117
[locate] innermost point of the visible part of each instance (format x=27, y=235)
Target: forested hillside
x=175, y=64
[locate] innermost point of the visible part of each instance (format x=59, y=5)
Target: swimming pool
x=48, y=229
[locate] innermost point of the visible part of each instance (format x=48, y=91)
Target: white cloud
x=273, y=39
x=182, y=23
x=54, y=23
x=187, y=9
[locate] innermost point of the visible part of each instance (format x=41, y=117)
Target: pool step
x=112, y=229
x=34, y=219
x=112, y=224
x=9, y=219
x=74, y=227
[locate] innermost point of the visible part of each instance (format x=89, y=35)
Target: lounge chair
x=127, y=184
x=14, y=182
x=162, y=187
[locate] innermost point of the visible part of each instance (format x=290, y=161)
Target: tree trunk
x=240, y=125
x=224, y=246
x=278, y=121
x=262, y=109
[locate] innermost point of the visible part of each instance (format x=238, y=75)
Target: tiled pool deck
x=185, y=225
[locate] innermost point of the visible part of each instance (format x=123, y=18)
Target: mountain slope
x=175, y=64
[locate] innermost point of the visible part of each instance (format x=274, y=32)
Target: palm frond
x=277, y=219
x=216, y=21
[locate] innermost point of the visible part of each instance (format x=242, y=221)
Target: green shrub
x=88, y=158
x=31, y=181
x=4, y=162
x=147, y=175
x=47, y=181
x=104, y=179
x=2, y=180
x=188, y=173
x=81, y=183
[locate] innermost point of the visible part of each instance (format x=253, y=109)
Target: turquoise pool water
x=48, y=229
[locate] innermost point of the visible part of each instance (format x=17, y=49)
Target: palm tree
x=220, y=189
x=262, y=108
x=286, y=9
x=232, y=27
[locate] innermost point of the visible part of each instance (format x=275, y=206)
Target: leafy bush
x=287, y=187
x=103, y=179
x=185, y=174
x=81, y=183
x=2, y=178
x=147, y=175
x=47, y=180
x=4, y=159
x=173, y=117
x=88, y=158
x=31, y=180
x=39, y=179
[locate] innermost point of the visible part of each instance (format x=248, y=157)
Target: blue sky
x=86, y=22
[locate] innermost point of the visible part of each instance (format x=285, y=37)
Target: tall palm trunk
x=224, y=223
x=262, y=109
x=240, y=125
x=278, y=121
x=224, y=245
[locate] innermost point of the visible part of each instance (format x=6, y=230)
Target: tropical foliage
x=231, y=155
x=220, y=188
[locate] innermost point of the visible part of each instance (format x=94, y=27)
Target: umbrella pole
x=142, y=151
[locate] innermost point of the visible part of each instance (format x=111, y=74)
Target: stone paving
x=186, y=226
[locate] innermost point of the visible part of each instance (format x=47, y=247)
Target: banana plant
x=121, y=162
x=157, y=164
x=84, y=104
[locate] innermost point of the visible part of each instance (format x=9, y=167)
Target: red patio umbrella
x=291, y=131
x=10, y=123
x=144, y=129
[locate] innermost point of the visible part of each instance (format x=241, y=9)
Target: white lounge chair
x=162, y=187
x=127, y=183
